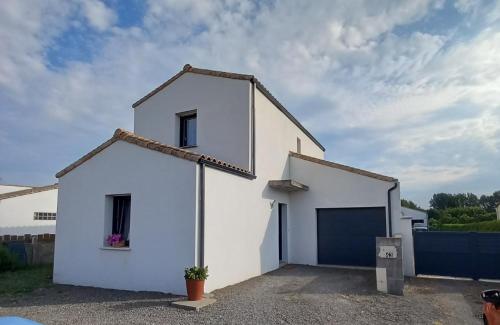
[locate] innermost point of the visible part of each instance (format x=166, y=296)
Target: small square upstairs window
x=187, y=129
x=118, y=221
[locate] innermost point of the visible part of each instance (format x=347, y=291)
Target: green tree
x=410, y=204
x=442, y=201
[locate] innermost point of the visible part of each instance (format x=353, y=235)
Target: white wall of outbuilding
x=17, y=213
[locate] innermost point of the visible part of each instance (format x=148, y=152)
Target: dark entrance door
x=346, y=236
x=281, y=208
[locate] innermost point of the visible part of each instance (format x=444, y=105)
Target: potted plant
x=195, y=281
x=115, y=240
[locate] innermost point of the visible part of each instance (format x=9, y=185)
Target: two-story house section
x=217, y=172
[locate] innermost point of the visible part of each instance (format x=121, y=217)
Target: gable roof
x=413, y=209
x=343, y=167
x=132, y=138
x=230, y=75
x=27, y=191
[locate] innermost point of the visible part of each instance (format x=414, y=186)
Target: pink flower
x=113, y=239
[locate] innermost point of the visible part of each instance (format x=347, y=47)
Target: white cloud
x=418, y=177
x=98, y=14
x=348, y=55
x=465, y=6
x=26, y=29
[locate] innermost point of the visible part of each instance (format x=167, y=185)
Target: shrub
x=196, y=273
x=461, y=215
x=484, y=226
x=8, y=261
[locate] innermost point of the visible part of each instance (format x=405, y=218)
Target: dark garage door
x=346, y=236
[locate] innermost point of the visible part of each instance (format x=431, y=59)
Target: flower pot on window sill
x=195, y=289
x=121, y=243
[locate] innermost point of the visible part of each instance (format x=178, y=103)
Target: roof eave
x=28, y=191
x=346, y=168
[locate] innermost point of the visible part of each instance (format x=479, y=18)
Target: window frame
x=109, y=220
x=183, y=134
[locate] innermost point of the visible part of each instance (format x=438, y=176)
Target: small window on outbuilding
x=117, y=220
x=44, y=216
x=299, y=145
x=187, y=129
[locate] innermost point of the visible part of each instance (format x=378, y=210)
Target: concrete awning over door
x=287, y=185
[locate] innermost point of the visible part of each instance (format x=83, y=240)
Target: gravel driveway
x=293, y=294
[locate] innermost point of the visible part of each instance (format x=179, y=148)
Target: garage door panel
x=347, y=236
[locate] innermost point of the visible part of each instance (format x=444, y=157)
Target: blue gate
x=460, y=254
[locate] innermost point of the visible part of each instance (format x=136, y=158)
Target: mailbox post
x=389, y=270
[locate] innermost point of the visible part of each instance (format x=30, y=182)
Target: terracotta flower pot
x=195, y=289
x=121, y=243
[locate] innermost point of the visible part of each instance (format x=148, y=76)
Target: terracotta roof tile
x=28, y=191
x=132, y=138
x=343, y=167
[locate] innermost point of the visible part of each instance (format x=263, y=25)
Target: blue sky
x=409, y=89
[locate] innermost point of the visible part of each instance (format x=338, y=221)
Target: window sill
x=187, y=147
x=109, y=248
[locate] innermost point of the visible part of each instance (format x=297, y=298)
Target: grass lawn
x=25, y=279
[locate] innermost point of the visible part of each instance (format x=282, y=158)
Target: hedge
x=491, y=226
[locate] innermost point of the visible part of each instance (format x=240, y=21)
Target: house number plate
x=388, y=252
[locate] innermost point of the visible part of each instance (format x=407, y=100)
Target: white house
x=419, y=217
x=28, y=210
x=217, y=172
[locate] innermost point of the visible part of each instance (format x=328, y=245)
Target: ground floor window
x=118, y=220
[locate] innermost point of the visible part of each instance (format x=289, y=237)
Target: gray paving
x=291, y=295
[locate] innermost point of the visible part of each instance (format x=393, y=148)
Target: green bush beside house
x=485, y=226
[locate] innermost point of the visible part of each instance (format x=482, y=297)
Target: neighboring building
x=28, y=210
x=6, y=188
x=268, y=196
x=498, y=211
x=419, y=217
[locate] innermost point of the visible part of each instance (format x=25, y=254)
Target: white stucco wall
x=11, y=188
x=276, y=135
x=332, y=188
x=16, y=213
x=415, y=215
x=162, y=221
x=223, y=115
x=241, y=229
x=241, y=215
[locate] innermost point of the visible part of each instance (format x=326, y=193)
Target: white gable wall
x=223, y=121
x=162, y=221
x=16, y=213
x=334, y=188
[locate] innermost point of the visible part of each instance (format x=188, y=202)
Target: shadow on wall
x=269, y=248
